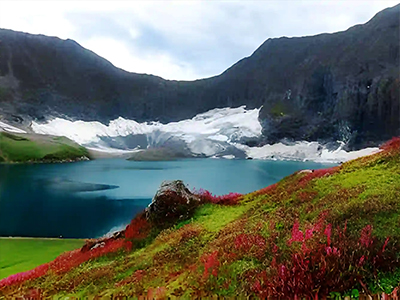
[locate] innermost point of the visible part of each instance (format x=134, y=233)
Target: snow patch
x=112, y=150
x=218, y=133
x=305, y=151
x=9, y=128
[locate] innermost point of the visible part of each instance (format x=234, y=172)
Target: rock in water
x=172, y=202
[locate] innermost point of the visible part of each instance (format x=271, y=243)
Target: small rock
x=305, y=171
x=98, y=245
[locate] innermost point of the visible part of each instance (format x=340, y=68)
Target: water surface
x=90, y=199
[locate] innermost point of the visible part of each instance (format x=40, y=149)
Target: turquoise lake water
x=90, y=199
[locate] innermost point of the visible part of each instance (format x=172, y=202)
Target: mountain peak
x=389, y=17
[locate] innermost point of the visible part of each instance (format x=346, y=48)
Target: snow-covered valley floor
x=218, y=133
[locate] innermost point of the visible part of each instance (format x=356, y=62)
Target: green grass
x=213, y=217
x=23, y=254
x=36, y=148
x=364, y=195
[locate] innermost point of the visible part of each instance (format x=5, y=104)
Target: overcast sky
x=182, y=40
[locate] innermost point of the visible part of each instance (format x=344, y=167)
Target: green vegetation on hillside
x=38, y=148
x=22, y=254
x=314, y=234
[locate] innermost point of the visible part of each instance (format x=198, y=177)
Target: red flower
x=297, y=235
x=211, y=263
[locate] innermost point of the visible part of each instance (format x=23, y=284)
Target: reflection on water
x=65, y=186
x=88, y=199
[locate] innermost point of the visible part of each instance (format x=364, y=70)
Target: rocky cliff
x=326, y=87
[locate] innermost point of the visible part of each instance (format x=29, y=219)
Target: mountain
x=342, y=86
x=319, y=234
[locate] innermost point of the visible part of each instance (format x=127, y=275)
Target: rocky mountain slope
x=320, y=233
x=331, y=86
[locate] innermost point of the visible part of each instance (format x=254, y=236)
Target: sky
x=182, y=40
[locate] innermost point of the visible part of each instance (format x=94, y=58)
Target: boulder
x=172, y=202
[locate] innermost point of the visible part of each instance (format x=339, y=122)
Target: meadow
x=38, y=148
x=22, y=254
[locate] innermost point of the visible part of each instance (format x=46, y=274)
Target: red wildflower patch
x=65, y=262
x=34, y=294
x=211, y=264
x=327, y=260
x=137, y=276
x=174, y=274
x=69, y=260
x=24, y=276
x=297, y=234
x=317, y=174
x=207, y=197
x=366, y=236
x=157, y=293
x=267, y=190
x=306, y=196
x=328, y=233
x=250, y=244
x=128, y=246
x=138, y=228
x=391, y=146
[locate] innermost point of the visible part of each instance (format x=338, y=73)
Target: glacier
x=218, y=133
x=9, y=128
x=306, y=151
x=207, y=134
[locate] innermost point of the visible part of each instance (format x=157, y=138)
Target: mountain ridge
x=336, y=86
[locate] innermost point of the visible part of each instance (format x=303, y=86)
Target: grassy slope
x=36, y=148
x=237, y=243
x=19, y=255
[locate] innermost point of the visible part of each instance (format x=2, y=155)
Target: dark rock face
x=172, y=202
x=331, y=86
x=344, y=85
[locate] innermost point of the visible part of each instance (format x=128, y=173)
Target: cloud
x=182, y=39
x=128, y=58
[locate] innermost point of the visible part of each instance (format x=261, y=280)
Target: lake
x=92, y=198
